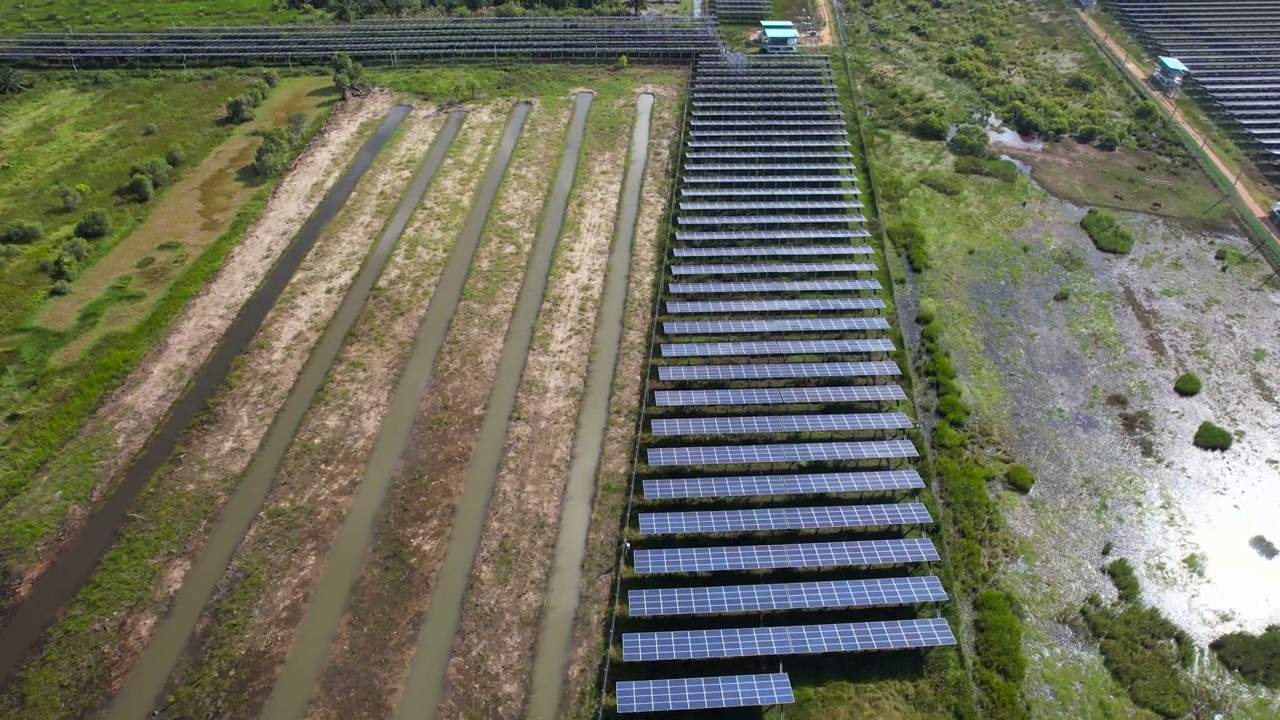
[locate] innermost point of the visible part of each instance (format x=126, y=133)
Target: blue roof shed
x=1172, y=64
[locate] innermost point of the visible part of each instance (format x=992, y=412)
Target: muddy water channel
x=588, y=441
x=435, y=639
x=293, y=689
x=1083, y=350
x=75, y=564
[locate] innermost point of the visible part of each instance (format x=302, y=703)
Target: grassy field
x=22, y=16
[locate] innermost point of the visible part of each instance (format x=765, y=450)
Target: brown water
x=435, y=639
x=552, y=654
x=294, y=687
x=60, y=583
x=147, y=679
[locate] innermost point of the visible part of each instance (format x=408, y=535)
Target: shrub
x=948, y=185
x=60, y=287
x=95, y=223
x=998, y=637
x=1211, y=437
x=1146, y=653
x=969, y=140
x=1002, y=170
x=77, y=248
x=63, y=266
x=12, y=82
x=297, y=123
x=948, y=437
x=70, y=199
x=240, y=109
x=953, y=409
x=141, y=187
x=175, y=156
x=21, y=232
x=931, y=127
x=1082, y=81
x=1107, y=547
x=907, y=235
x=144, y=262
x=1255, y=657
x=1106, y=233
x=1264, y=547
x=1019, y=478
x=622, y=62
x=1187, y=385
x=348, y=77
x=150, y=129
x=1062, y=295
x=271, y=78
x=158, y=169
x=1122, y=576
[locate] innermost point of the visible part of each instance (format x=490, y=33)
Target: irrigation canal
x=147, y=679
x=425, y=683
x=307, y=657
x=561, y=602
x=74, y=565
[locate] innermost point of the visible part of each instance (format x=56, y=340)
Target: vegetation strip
x=306, y=659
x=60, y=582
x=147, y=679
x=561, y=604
x=435, y=638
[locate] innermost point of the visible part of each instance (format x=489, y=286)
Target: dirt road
x=1141, y=74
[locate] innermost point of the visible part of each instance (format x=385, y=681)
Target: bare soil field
x=613, y=479
x=128, y=416
x=492, y=655
x=250, y=624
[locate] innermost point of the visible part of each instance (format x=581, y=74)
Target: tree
x=297, y=123
x=141, y=187
x=637, y=6
x=348, y=76
x=70, y=199
x=273, y=154
x=970, y=140
x=175, y=156
x=95, y=223
x=77, y=248
x=21, y=233
x=240, y=109
x=931, y=127
x=12, y=82
x=158, y=169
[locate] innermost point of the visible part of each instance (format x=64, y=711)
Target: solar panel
x=879, y=592
x=797, y=518
x=688, y=206
x=780, y=453
x=842, y=219
x=862, y=553
x=768, y=192
x=693, y=236
x=765, y=424
x=779, y=396
x=781, y=347
x=786, y=640
x=767, y=485
x=707, y=307
x=674, y=373
x=772, y=268
x=754, y=251
x=723, y=327
x=705, y=693
x=776, y=286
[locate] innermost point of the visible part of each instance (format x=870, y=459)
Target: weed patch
x=1106, y=233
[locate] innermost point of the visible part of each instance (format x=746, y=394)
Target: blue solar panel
x=862, y=553
x=709, y=307
x=767, y=424
x=840, y=219
x=726, y=691
x=798, y=518
x=773, y=268
x=879, y=592
x=766, y=287
x=766, y=250
x=786, y=640
x=728, y=327
x=777, y=396
x=766, y=485
x=695, y=236
x=676, y=373
x=781, y=347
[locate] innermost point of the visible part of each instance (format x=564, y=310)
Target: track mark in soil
x=1148, y=319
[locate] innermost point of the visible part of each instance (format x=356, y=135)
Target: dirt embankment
x=129, y=415
x=248, y=628
x=492, y=656
x=375, y=644
x=615, y=467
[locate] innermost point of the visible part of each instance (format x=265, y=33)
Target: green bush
x=1211, y=437
x=1187, y=385
x=1002, y=170
x=1255, y=657
x=240, y=109
x=908, y=236
x=1019, y=478
x=948, y=185
x=70, y=199
x=141, y=188
x=998, y=637
x=95, y=223
x=1106, y=233
x=931, y=127
x=1146, y=653
x=1126, y=581
x=21, y=232
x=156, y=168
x=969, y=140
x=1264, y=547
x=175, y=156
x=953, y=409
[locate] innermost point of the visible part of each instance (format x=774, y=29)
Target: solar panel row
x=786, y=640
x=749, y=251
x=675, y=373
x=765, y=485
x=780, y=347
x=860, y=553
x=726, y=691
x=795, y=518
x=760, y=306
x=773, y=268
x=879, y=592
x=774, y=286
x=731, y=327
x=768, y=424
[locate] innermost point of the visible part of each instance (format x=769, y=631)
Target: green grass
x=1106, y=233
x=522, y=81
x=1019, y=478
x=21, y=16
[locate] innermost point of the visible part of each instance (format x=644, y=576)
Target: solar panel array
x=767, y=245
x=706, y=693
x=715, y=600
